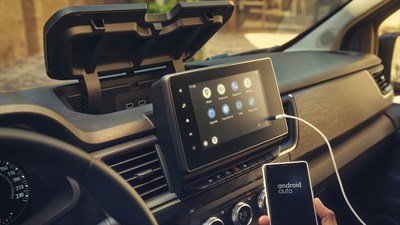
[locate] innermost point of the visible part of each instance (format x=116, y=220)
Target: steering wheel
x=112, y=192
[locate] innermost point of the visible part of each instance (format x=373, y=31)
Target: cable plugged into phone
x=281, y=116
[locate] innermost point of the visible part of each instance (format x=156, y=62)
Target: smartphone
x=289, y=195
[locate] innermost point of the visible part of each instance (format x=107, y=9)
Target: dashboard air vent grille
x=286, y=110
x=381, y=81
x=142, y=169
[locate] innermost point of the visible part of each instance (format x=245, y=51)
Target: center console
x=212, y=125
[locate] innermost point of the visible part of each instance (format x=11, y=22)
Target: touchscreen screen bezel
x=194, y=155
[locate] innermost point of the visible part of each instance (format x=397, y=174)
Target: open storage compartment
x=117, y=51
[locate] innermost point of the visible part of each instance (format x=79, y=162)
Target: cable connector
x=280, y=116
x=276, y=117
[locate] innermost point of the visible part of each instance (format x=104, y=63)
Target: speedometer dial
x=14, y=192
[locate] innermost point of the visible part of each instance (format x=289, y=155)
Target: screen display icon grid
x=229, y=107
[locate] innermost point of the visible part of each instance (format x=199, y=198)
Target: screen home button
x=214, y=140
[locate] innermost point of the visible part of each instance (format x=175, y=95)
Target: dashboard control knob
x=261, y=202
x=242, y=214
x=213, y=221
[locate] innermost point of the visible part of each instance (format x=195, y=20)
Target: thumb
x=326, y=215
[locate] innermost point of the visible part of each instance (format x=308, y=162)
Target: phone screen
x=289, y=193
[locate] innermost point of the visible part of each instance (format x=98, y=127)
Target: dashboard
x=145, y=144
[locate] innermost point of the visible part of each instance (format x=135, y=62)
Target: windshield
x=255, y=24
x=260, y=24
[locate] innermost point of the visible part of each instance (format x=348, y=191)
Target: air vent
x=142, y=169
x=289, y=108
x=382, y=83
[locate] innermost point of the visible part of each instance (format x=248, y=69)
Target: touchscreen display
x=229, y=107
x=209, y=114
x=289, y=194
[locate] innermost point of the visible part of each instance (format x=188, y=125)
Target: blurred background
x=255, y=24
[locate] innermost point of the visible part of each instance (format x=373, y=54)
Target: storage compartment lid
x=110, y=39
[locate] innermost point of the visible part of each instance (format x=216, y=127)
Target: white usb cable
x=280, y=116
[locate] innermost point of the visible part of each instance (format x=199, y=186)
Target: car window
x=388, y=26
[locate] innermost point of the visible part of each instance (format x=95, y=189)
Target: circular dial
x=242, y=214
x=261, y=202
x=213, y=221
x=14, y=192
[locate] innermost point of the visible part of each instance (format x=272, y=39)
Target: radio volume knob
x=213, y=221
x=242, y=214
x=261, y=202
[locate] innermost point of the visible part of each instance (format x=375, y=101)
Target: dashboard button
x=219, y=177
x=260, y=159
x=267, y=156
x=228, y=173
x=253, y=162
x=236, y=169
x=210, y=180
x=242, y=214
x=202, y=184
x=213, y=221
x=244, y=166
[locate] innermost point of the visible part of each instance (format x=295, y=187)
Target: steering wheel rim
x=117, y=197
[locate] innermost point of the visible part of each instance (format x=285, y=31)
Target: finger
x=263, y=220
x=326, y=215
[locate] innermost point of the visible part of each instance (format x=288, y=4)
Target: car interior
x=143, y=134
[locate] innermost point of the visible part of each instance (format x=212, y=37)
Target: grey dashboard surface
x=294, y=71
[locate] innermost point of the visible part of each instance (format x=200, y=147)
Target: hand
x=326, y=215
